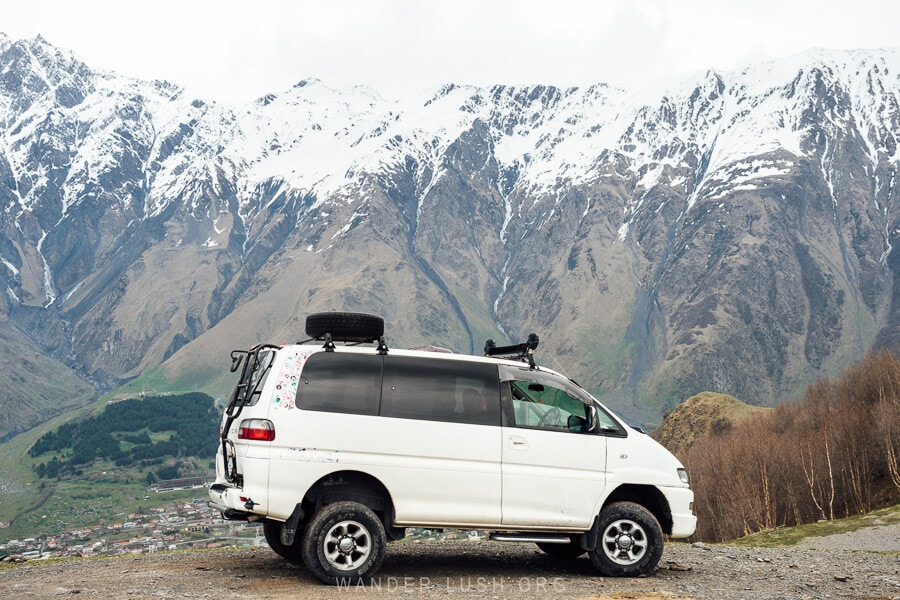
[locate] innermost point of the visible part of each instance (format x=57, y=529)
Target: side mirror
x=576, y=424
x=592, y=418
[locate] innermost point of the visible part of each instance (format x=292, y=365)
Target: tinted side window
x=341, y=383
x=441, y=390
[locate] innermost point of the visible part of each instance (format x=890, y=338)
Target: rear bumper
x=231, y=503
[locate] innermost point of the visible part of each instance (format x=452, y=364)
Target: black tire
x=272, y=531
x=630, y=541
x=345, y=327
x=344, y=543
x=568, y=551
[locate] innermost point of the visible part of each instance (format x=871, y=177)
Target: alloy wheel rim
x=347, y=545
x=624, y=542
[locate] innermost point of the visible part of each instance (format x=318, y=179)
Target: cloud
x=235, y=51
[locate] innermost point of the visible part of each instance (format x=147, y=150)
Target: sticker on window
x=286, y=384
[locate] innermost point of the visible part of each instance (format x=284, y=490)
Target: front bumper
x=684, y=522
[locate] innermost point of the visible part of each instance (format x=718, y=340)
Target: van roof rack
x=524, y=351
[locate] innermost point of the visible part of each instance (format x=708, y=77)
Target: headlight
x=683, y=476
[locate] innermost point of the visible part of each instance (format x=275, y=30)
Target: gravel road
x=461, y=570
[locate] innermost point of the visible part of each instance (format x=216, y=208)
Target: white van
x=338, y=449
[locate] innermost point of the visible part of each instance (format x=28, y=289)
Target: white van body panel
x=435, y=472
x=552, y=479
x=639, y=459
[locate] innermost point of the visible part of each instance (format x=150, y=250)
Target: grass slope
x=700, y=415
x=791, y=536
x=43, y=387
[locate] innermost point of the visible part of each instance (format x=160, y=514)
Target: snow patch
x=12, y=268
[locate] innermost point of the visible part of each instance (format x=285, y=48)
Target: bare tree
x=826, y=457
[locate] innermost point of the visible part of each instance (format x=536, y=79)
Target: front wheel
x=630, y=542
x=344, y=543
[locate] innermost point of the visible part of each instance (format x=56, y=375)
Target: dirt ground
x=458, y=570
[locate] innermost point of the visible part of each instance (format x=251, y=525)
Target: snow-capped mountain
x=729, y=232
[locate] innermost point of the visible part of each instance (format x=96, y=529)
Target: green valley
x=90, y=466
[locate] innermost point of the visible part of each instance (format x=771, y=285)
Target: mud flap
x=289, y=529
x=590, y=537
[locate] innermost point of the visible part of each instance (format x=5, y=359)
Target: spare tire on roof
x=345, y=326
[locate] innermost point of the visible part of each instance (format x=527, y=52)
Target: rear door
x=553, y=469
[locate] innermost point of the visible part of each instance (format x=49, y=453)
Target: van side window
x=441, y=390
x=544, y=406
x=341, y=383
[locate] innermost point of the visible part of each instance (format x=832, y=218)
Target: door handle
x=518, y=443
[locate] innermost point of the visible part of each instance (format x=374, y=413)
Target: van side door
x=553, y=467
x=439, y=440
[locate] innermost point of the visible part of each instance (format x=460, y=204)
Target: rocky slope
x=731, y=232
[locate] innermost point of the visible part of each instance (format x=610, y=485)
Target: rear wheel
x=272, y=531
x=630, y=541
x=344, y=543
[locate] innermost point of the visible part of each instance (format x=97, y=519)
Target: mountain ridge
x=731, y=234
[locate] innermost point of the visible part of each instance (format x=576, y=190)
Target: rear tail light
x=257, y=429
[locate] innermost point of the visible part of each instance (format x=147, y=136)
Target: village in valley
x=177, y=525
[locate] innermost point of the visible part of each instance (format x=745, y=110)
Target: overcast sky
x=236, y=51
